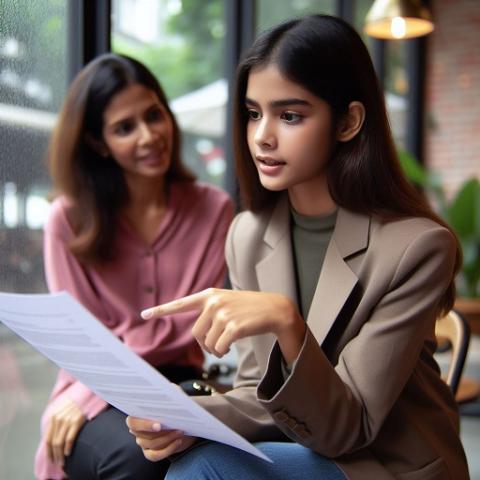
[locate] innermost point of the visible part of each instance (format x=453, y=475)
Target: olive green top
x=310, y=238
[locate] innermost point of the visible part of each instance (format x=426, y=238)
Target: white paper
x=70, y=336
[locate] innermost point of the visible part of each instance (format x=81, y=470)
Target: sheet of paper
x=70, y=336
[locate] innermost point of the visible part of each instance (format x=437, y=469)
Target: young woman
x=339, y=270
x=129, y=227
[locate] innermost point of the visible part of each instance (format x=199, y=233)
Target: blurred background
x=432, y=89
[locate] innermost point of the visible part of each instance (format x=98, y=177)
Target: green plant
x=462, y=213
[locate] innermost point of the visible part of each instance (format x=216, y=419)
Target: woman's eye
x=155, y=115
x=123, y=128
x=253, y=114
x=291, y=117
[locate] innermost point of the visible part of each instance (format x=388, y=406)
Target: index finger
x=185, y=304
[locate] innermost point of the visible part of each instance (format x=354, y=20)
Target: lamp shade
x=398, y=19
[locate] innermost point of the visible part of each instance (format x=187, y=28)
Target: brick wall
x=452, y=142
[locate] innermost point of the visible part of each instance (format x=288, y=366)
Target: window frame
x=90, y=34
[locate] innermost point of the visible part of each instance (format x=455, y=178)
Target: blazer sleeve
x=63, y=272
x=343, y=407
x=239, y=408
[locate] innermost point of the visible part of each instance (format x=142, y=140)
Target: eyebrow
x=128, y=119
x=279, y=103
x=118, y=122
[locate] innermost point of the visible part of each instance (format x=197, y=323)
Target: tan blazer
x=365, y=389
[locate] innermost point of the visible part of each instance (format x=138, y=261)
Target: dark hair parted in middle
x=327, y=57
x=96, y=185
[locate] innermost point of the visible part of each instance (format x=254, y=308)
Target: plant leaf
x=463, y=214
x=415, y=172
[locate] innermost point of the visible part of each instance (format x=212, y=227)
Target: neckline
x=172, y=205
x=314, y=222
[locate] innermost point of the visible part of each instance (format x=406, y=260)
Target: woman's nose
x=264, y=134
x=146, y=134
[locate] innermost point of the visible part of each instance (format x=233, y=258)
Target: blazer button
x=301, y=431
x=281, y=416
x=148, y=289
x=291, y=423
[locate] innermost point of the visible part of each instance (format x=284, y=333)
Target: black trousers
x=104, y=448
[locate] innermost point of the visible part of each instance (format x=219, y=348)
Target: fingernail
x=146, y=314
x=156, y=427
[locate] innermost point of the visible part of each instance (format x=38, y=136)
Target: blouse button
x=148, y=289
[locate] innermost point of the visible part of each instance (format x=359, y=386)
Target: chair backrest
x=456, y=330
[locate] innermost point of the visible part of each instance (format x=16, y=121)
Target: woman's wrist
x=291, y=333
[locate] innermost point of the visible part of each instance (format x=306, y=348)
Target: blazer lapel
x=276, y=272
x=337, y=280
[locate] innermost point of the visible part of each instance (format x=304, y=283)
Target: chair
x=454, y=328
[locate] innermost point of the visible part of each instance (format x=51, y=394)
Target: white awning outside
x=202, y=112
x=27, y=117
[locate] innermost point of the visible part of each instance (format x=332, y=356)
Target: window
x=271, y=12
x=394, y=57
x=396, y=89
x=32, y=85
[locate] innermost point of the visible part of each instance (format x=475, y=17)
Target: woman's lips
x=269, y=166
x=152, y=158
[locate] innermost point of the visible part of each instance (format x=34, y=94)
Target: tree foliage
x=193, y=54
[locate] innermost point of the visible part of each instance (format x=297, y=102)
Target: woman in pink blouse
x=129, y=228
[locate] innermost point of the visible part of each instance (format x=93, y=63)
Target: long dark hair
x=327, y=57
x=94, y=185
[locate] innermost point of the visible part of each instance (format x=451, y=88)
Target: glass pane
x=32, y=85
x=271, y=12
x=396, y=80
x=361, y=9
x=182, y=42
x=396, y=88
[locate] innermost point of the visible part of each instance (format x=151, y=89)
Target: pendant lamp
x=398, y=19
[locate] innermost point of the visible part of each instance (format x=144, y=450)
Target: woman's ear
x=352, y=122
x=97, y=146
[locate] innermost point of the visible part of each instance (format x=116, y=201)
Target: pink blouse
x=187, y=256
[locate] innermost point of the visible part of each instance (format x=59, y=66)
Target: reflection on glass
x=361, y=9
x=396, y=88
x=32, y=85
x=271, y=12
x=396, y=83
x=182, y=43
x=10, y=205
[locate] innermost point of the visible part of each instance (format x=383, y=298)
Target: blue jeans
x=215, y=461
